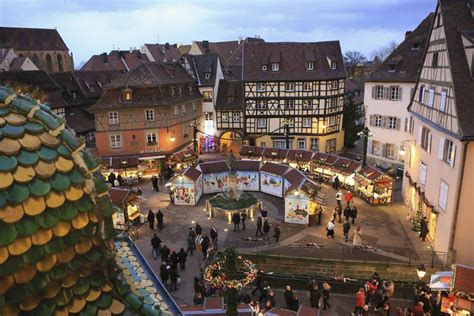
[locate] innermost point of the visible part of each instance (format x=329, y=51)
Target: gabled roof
x=230, y=95
x=291, y=57
x=223, y=49
x=124, y=60
x=294, y=176
x=164, y=52
x=202, y=65
x=71, y=90
x=214, y=166
x=192, y=173
x=273, y=168
x=404, y=63
x=247, y=165
x=20, y=38
x=91, y=82
x=80, y=120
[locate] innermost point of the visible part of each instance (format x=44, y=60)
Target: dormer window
x=275, y=67
x=333, y=65
x=180, y=91
x=309, y=65
x=416, y=46
x=127, y=95
x=207, y=75
x=391, y=68
x=172, y=91
x=264, y=67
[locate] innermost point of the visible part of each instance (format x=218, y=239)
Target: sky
x=91, y=27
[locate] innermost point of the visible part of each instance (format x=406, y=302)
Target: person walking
x=164, y=276
x=236, y=221
x=348, y=198
x=339, y=198
x=319, y=214
x=159, y=219
x=174, y=260
x=330, y=229
x=182, y=256
x=258, y=282
x=213, y=234
x=264, y=292
x=151, y=219
x=259, y=226
x=154, y=182
x=357, y=241
x=243, y=217
x=347, y=213
x=271, y=298
x=264, y=213
x=424, y=228
x=198, y=229
x=173, y=278
x=155, y=245
x=337, y=183
x=339, y=214
x=345, y=229
x=288, y=295
x=277, y=232
x=165, y=252
x=266, y=230
x=333, y=182
x=325, y=294
x=314, y=296
x=204, y=245
x=360, y=302
x=353, y=214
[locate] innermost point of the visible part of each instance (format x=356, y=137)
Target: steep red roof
x=164, y=52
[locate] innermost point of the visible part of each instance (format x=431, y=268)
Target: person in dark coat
x=294, y=303
x=319, y=214
x=258, y=283
x=354, y=214
x=347, y=212
x=243, y=217
x=165, y=252
x=204, y=245
x=346, y=227
x=198, y=229
x=213, y=234
x=277, y=232
x=191, y=241
x=111, y=179
x=120, y=180
x=236, y=221
x=314, y=296
x=173, y=278
x=174, y=260
x=164, y=276
x=151, y=219
x=266, y=230
x=259, y=226
x=198, y=299
x=155, y=245
x=424, y=228
x=271, y=298
x=264, y=213
x=325, y=294
x=288, y=295
x=159, y=220
x=264, y=292
x=182, y=255
x=154, y=183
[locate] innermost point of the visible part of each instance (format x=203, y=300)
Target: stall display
x=300, y=202
x=300, y=159
x=128, y=203
x=322, y=165
x=345, y=169
x=214, y=176
x=271, y=178
x=374, y=186
x=187, y=187
x=248, y=175
x=128, y=170
x=183, y=159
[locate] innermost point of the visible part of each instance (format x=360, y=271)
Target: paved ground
x=381, y=226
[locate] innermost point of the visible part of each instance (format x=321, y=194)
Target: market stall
x=300, y=159
x=251, y=152
x=214, y=176
x=183, y=159
x=463, y=290
x=248, y=175
x=345, y=169
x=271, y=178
x=120, y=171
x=128, y=203
x=374, y=186
x=292, y=177
x=187, y=187
x=322, y=164
x=300, y=201
x=274, y=154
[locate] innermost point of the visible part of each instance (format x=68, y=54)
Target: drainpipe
x=456, y=210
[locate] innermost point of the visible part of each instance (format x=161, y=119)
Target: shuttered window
x=423, y=171
x=443, y=195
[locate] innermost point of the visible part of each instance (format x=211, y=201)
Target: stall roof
x=247, y=165
x=324, y=158
x=183, y=156
x=464, y=279
x=305, y=185
x=120, y=162
x=283, y=153
x=294, y=176
x=251, y=151
x=120, y=196
x=274, y=168
x=294, y=154
x=192, y=173
x=372, y=173
x=213, y=166
x=347, y=165
x=271, y=152
x=307, y=155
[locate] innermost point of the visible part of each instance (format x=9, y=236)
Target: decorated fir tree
x=417, y=219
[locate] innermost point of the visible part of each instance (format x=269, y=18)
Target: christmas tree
x=417, y=219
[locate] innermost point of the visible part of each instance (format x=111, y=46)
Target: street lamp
x=172, y=138
x=194, y=124
x=286, y=124
x=365, y=134
x=421, y=271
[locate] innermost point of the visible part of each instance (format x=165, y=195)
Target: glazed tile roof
x=20, y=38
x=53, y=200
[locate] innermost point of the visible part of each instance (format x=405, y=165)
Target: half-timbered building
x=439, y=178
x=298, y=84
x=147, y=113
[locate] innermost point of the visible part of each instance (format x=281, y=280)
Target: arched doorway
x=230, y=140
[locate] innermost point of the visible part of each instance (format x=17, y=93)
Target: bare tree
x=381, y=53
x=354, y=58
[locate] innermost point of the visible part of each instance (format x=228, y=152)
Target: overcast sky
x=94, y=26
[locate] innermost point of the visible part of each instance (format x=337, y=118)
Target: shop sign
x=441, y=281
x=152, y=150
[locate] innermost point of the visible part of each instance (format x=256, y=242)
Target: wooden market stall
x=271, y=178
x=463, y=290
x=128, y=202
x=346, y=169
x=322, y=164
x=374, y=186
x=301, y=201
x=292, y=177
x=251, y=152
x=187, y=187
x=300, y=159
x=248, y=175
x=120, y=171
x=274, y=154
x=183, y=159
x=214, y=176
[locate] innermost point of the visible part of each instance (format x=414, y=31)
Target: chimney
x=205, y=44
x=139, y=55
x=105, y=58
x=167, y=45
x=131, y=50
x=175, y=45
x=407, y=33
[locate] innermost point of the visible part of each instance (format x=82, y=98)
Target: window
x=207, y=96
x=289, y=87
x=390, y=151
x=207, y=75
x=379, y=92
x=434, y=61
x=333, y=103
x=172, y=91
x=307, y=104
x=421, y=94
x=176, y=112
x=442, y=102
x=301, y=144
x=116, y=141
x=315, y=144
x=331, y=145
x=261, y=123
x=423, y=171
x=443, y=195
x=275, y=67
x=236, y=117
x=307, y=122
x=431, y=97
x=194, y=107
x=261, y=87
x=289, y=104
x=415, y=46
x=281, y=143
x=309, y=65
x=49, y=62
x=151, y=138
x=392, y=122
x=425, y=139
x=378, y=120
x=113, y=118
x=333, y=65
x=208, y=116
x=127, y=95
x=74, y=94
x=395, y=93
x=261, y=105
x=150, y=115
x=447, y=150
x=90, y=138
x=264, y=67
x=376, y=146
x=225, y=117
x=332, y=121
x=307, y=86
x=405, y=129
x=412, y=125
x=60, y=111
x=190, y=89
x=334, y=85
x=183, y=108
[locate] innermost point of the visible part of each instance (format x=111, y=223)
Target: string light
x=246, y=267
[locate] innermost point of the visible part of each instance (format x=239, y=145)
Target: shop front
x=128, y=203
x=207, y=144
x=374, y=186
x=322, y=166
x=345, y=169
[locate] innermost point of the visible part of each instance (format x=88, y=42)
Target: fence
x=398, y=256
